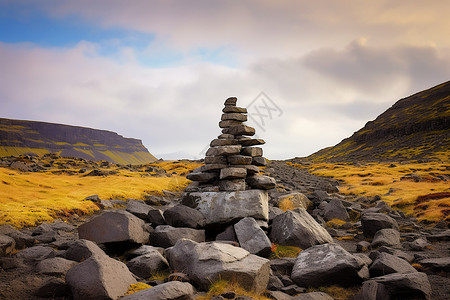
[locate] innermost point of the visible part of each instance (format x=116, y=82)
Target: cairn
x=231, y=162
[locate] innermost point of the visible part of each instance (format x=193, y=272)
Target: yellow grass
x=28, y=199
x=136, y=287
x=223, y=286
x=279, y=251
x=384, y=180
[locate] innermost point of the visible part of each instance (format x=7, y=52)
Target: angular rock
x=251, y=169
x=246, y=142
x=234, y=116
x=7, y=245
x=282, y=266
x=184, y=216
x=227, y=235
x=222, y=142
x=261, y=182
x=362, y=246
x=53, y=287
x=386, y=237
x=372, y=290
x=234, y=109
x=142, y=250
x=297, y=200
x=172, y=290
x=82, y=249
x=231, y=101
x=210, y=168
x=145, y=265
x=239, y=130
x=166, y=236
x=156, y=217
x=138, y=208
x=22, y=240
x=224, y=150
x=208, y=262
x=55, y=266
x=201, y=176
x=259, y=161
x=372, y=222
x=386, y=263
x=232, y=185
x=326, y=264
x=251, y=237
x=436, y=264
x=239, y=160
x=229, y=123
x=314, y=296
x=232, y=173
x=335, y=210
x=406, y=285
x=99, y=277
x=277, y=295
x=252, y=151
x=224, y=207
x=298, y=228
x=216, y=160
x=114, y=226
x=36, y=253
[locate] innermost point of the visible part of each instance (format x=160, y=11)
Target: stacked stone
x=231, y=162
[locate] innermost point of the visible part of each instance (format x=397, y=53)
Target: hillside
x=27, y=137
x=414, y=128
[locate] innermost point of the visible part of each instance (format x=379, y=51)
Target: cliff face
x=21, y=137
x=416, y=127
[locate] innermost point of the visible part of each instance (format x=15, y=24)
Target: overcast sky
x=159, y=71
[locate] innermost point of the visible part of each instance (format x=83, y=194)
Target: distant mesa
x=30, y=137
x=414, y=128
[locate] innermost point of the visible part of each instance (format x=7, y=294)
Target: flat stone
x=201, y=176
x=210, y=167
x=437, y=264
x=234, y=109
x=224, y=207
x=232, y=185
x=138, y=208
x=259, y=161
x=386, y=237
x=166, y=236
x=239, y=160
x=222, y=142
x=222, y=160
x=233, y=173
x=234, y=116
x=261, y=182
x=165, y=291
x=252, y=151
x=251, y=169
x=184, y=216
x=231, y=101
x=55, y=266
x=225, y=136
x=406, y=285
x=386, y=263
x=239, y=130
x=224, y=150
x=372, y=222
x=245, y=142
x=229, y=123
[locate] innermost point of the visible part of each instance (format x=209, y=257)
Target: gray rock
x=239, y=130
x=282, y=266
x=224, y=150
x=239, y=160
x=222, y=142
x=396, y=252
x=234, y=109
x=224, y=207
x=232, y=173
x=406, y=285
x=216, y=159
x=184, y=216
x=36, y=253
x=138, y=208
x=208, y=262
x=227, y=235
x=372, y=222
x=166, y=236
x=231, y=101
x=437, y=264
x=55, y=266
x=22, y=240
x=262, y=182
x=419, y=244
x=386, y=263
x=232, y=185
x=298, y=228
x=275, y=283
x=81, y=250
x=318, y=196
x=362, y=246
x=7, y=245
x=201, y=176
x=114, y=226
x=145, y=265
x=53, y=287
x=326, y=264
x=229, y=123
x=293, y=289
x=156, y=217
x=173, y=290
x=372, y=290
x=386, y=237
x=252, y=238
x=273, y=212
x=259, y=161
x=99, y=277
x=277, y=295
x=234, y=116
x=298, y=200
x=142, y=250
x=335, y=210
x=252, y=151
x=313, y=296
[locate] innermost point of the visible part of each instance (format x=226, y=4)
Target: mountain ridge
x=35, y=137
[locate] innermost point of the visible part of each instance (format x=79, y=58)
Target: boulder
x=239, y=130
x=7, y=245
x=282, y=266
x=142, y=250
x=166, y=236
x=372, y=290
x=259, y=161
x=224, y=207
x=184, y=216
x=386, y=237
x=386, y=263
x=138, y=208
x=22, y=240
x=232, y=173
x=396, y=252
x=52, y=288
x=227, y=235
x=172, y=290
x=99, y=277
x=313, y=296
x=201, y=176
x=114, y=226
x=145, y=265
x=436, y=264
x=81, y=250
x=156, y=217
x=232, y=185
x=262, y=182
x=372, y=222
x=406, y=285
x=252, y=238
x=297, y=200
x=234, y=109
x=335, y=210
x=56, y=266
x=252, y=151
x=36, y=253
x=298, y=228
x=234, y=116
x=326, y=264
x=208, y=262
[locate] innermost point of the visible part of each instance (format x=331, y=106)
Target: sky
x=310, y=73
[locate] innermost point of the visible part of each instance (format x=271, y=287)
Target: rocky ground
x=356, y=242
